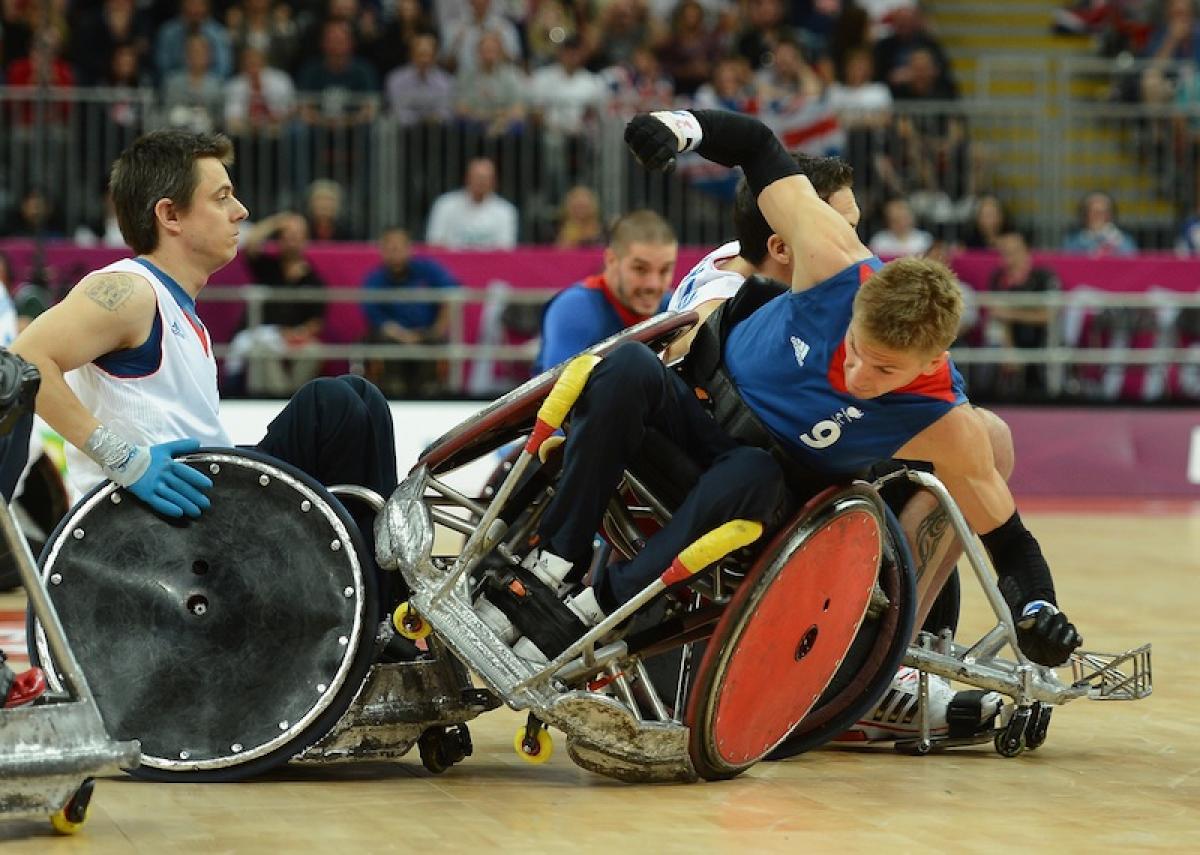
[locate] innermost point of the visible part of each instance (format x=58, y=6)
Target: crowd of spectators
x=824, y=72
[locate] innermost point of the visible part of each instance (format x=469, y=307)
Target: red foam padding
x=767, y=690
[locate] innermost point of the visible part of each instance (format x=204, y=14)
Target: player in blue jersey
x=850, y=366
x=639, y=265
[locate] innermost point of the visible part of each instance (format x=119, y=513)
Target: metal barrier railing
x=1078, y=363
x=1042, y=131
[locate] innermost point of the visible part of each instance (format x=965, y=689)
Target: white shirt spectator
x=855, y=102
x=458, y=222
x=276, y=90
x=565, y=98
x=892, y=245
x=462, y=41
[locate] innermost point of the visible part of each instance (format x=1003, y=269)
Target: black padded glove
x=1046, y=636
x=19, y=383
x=652, y=142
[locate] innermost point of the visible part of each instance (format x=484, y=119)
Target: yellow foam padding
x=718, y=543
x=566, y=390
x=547, y=447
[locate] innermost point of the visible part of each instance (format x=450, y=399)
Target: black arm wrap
x=733, y=139
x=1023, y=571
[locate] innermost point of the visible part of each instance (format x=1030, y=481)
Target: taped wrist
x=1024, y=575
x=733, y=139
x=121, y=460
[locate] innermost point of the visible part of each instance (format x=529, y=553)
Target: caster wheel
x=533, y=749
x=1011, y=740
x=1039, y=726
x=442, y=747
x=71, y=818
x=410, y=624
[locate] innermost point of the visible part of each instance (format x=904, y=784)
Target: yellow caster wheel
x=410, y=624
x=71, y=818
x=533, y=750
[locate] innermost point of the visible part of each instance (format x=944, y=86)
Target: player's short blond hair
x=911, y=304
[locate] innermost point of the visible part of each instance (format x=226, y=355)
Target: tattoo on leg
x=110, y=293
x=929, y=536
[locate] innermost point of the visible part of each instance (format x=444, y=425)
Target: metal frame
x=1030, y=686
x=48, y=752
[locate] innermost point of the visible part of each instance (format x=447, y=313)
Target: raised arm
x=821, y=239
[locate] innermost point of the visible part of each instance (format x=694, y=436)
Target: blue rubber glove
x=171, y=488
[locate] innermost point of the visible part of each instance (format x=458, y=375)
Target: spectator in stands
x=893, y=53
x=194, y=97
x=692, y=49
x=1188, y=242
x=406, y=323
x=564, y=92
x=324, y=213
x=550, y=24
x=566, y=98
x=43, y=66
x=579, y=220
x=101, y=31
x=336, y=73
x=461, y=47
x=859, y=100
x=863, y=107
x=393, y=48
x=260, y=98
x=1098, y=233
x=420, y=91
x=1176, y=40
x=1024, y=327
x=268, y=359
x=268, y=28
x=988, y=222
x=170, y=45
x=900, y=235
x=788, y=81
x=935, y=151
x=624, y=28
x=473, y=217
x=491, y=94
x=639, y=267
x=34, y=215
x=638, y=84
x=766, y=26
x=730, y=87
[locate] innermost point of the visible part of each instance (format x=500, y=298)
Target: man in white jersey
x=128, y=375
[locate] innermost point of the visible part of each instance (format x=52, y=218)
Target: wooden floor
x=1111, y=776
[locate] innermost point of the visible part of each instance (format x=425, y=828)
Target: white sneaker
x=896, y=717
x=585, y=607
x=548, y=567
x=496, y=620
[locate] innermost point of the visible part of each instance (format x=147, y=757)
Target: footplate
x=1114, y=676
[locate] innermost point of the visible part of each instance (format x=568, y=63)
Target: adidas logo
x=800, y=348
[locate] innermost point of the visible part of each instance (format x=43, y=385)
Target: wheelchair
x=252, y=637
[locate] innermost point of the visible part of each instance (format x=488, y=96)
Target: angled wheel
x=785, y=634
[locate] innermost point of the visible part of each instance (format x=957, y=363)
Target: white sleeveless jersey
x=177, y=400
x=706, y=281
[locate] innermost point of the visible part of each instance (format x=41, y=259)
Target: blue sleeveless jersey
x=787, y=361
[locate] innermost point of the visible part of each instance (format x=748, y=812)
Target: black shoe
x=534, y=610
